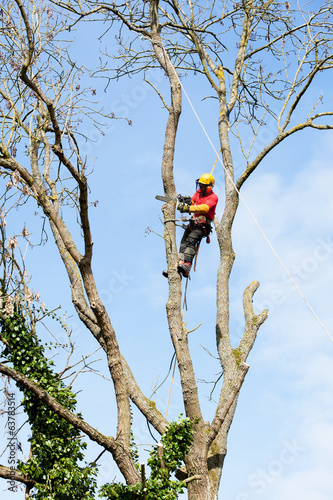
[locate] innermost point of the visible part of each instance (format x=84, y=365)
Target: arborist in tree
x=202, y=208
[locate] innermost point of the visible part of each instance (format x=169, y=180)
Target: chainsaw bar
x=166, y=199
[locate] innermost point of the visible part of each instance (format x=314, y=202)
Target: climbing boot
x=166, y=273
x=184, y=268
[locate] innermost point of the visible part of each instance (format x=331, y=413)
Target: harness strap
x=205, y=224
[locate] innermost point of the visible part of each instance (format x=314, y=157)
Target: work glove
x=185, y=199
x=183, y=207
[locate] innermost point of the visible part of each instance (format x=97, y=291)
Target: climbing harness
x=182, y=220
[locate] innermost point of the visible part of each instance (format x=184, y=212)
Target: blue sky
x=280, y=443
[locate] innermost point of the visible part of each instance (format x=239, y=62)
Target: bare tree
x=260, y=60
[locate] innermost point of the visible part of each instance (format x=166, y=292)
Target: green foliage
x=160, y=485
x=55, y=444
x=119, y=491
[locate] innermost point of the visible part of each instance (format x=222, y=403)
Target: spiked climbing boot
x=166, y=273
x=184, y=268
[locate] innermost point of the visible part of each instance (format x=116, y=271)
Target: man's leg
x=183, y=243
x=192, y=236
x=182, y=248
x=192, y=241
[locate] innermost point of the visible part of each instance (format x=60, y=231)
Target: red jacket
x=210, y=199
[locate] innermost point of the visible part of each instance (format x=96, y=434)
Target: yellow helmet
x=207, y=181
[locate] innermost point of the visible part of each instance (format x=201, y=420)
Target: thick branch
x=120, y=454
x=145, y=405
x=252, y=321
x=177, y=328
x=240, y=59
x=85, y=223
x=277, y=140
x=15, y=475
x=224, y=406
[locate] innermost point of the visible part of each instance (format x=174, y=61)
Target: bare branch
x=224, y=406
